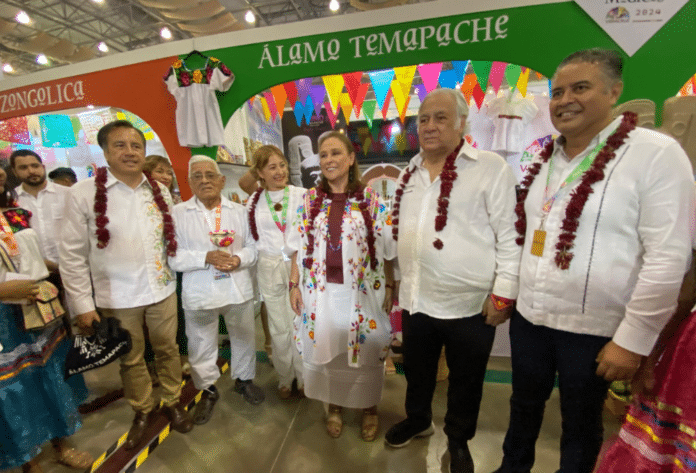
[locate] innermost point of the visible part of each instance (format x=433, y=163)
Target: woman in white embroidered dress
x=271, y=208
x=341, y=288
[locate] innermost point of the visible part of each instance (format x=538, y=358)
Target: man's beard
x=35, y=180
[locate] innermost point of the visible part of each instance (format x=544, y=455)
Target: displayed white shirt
x=479, y=256
x=47, y=210
x=198, y=120
x=510, y=118
x=271, y=240
x=132, y=270
x=203, y=287
x=632, y=245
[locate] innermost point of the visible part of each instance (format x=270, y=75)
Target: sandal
x=370, y=424
x=73, y=458
x=334, y=421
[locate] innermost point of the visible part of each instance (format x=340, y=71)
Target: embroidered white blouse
x=271, y=240
x=632, y=245
x=203, y=286
x=132, y=270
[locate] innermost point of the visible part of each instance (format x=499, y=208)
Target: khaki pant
x=161, y=322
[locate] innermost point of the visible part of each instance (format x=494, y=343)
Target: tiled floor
x=289, y=436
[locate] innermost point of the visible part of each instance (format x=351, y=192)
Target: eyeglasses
x=209, y=176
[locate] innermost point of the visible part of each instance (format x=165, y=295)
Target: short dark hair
x=103, y=135
x=23, y=152
x=607, y=59
x=62, y=172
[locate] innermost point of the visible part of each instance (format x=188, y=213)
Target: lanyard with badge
x=215, y=234
x=539, y=238
x=282, y=222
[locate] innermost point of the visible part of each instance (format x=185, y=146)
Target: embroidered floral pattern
x=185, y=77
x=17, y=218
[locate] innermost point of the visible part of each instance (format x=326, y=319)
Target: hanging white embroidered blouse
x=198, y=120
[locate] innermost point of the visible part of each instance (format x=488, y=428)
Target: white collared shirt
x=479, y=256
x=632, y=245
x=132, y=270
x=201, y=290
x=47, y=210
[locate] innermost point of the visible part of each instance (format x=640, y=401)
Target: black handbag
x=109, y=342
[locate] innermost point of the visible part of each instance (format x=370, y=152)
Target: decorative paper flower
x=225, y=69
x=214, y=59
x=177, y=64
x=197, y=76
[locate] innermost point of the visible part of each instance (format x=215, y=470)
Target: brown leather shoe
x=179, y=418
x=135, y=434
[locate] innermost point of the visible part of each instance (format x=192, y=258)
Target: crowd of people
x=585, y=258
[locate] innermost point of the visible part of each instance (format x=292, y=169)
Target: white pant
x=202, y=332
x=273, y=276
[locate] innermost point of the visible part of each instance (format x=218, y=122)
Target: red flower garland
x=315, y=208
x=579, y=195
x=252, y=213
x=447, y=177
x=101, y=220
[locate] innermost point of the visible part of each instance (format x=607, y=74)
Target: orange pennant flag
x=280, y=96
x=468, y=85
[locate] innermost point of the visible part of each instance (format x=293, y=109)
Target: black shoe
x=204, y=409
x=402, y=433
x=249, y=391
x=460, y=458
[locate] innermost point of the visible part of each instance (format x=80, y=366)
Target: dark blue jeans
x=468, y=342
x=539, y=352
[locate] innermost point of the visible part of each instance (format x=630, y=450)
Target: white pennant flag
x=631, y=23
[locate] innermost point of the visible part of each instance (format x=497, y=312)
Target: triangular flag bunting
x=429, y=74
x=512, y=73
x=368, y=110
x=468, y=86
x=479, y=95
x=385, y=105
x=422, y=91
x=291, y=91
x=539, y=75
x=366, y=144
x=381, y=82
x=250, y=102
x=482, y=69
x=352, y=81
x=280, y=96
x=460, y=68
x=346, y=106
x=309, y=110
x=497, y=74
x=448, y=79
x=299, y=112
x=330, y=114
x=334, y=87
x=404, y=77
x=317, y=92
x=399, y=98
x=270, y=101
x=359, y=98
x=522, y=81
x=266, y=110
x=303, y=88
x=402, y=113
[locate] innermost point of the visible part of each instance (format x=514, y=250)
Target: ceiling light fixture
x=250, y=17
x=166, y=33
x=103, y=47
x=42, y=59
x=23, y=18
x=7, y=68
x=98, y=1
x=334, y=5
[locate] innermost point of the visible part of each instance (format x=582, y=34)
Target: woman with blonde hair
x=341, y=288
x=161, y=171
x=271, y=209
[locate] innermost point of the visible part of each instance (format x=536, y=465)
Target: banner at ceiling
x=360, y=98
x=291, y=92
x=303, y=89
x=352, y=81
x=299, y=113
x=346, y=106
x=630, y=23
x=522, y=81
x=270, y=103
x=266, y=109
x=330, y=114
x=279, y=96
x=482, y=69
x=460, y=68
x=334, y=87
x=468, y=86
x=317, y=92
x=512, y=74
x=448, y=79
x=496, y=76
x=429, y=74
x=404, y=77
x=381, y=82
x=368, y=108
